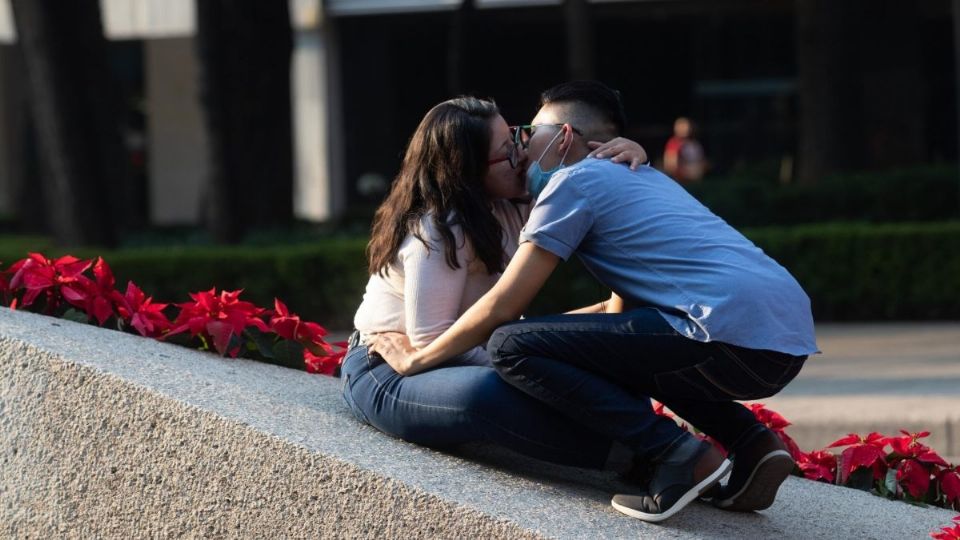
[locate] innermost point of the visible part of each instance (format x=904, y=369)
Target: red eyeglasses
x=511, y=156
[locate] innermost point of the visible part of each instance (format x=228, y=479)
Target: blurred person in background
x=683, y=156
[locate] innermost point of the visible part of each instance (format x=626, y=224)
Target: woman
x=439, y=242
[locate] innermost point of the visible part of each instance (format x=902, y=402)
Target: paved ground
x=878, y=376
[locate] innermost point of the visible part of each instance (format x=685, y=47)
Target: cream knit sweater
x=422, y=296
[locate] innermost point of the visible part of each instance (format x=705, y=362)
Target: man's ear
x=566, y=140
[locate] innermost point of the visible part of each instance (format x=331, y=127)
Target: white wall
x=8, y=33
x=177, y=144
x=319, y=189
x=126, y=19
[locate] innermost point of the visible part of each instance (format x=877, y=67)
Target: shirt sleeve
x=560, y=218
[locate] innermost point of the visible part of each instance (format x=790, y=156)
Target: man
x=709, y=318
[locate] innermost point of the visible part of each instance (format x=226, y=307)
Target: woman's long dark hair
x=442, y=175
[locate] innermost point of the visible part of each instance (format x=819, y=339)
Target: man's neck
x=576, y=154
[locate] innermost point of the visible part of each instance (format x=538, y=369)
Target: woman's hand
x=619, y=150
x=396, y=350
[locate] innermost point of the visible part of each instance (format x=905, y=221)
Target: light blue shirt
x=643, y=236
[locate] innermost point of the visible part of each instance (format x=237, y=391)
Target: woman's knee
x=482, y=391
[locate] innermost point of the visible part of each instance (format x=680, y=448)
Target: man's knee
x=502, y=346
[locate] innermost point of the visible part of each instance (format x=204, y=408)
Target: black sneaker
x=687, y=470
x=758, y=470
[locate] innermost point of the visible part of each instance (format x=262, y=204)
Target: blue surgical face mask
x=537, y=178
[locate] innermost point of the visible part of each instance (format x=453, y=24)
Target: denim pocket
x=714, y=379
x=768, y=369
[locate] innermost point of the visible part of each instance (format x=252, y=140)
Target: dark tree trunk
x=459, y=36
x=893, y=85
x=827, y=82
x=860, y=86
x=75, y=107
x=956, y=67
x=579, y=39
x=244, y=48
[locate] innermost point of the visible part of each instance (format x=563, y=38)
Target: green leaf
x=76, y=316
x=288, y=353
x=889, y=484
x=260, y=342
x=183, y=339
x=861, y=479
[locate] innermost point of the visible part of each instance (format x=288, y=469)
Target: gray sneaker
x=759, y=467
x=685, y=472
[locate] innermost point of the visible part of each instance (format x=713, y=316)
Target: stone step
x=106, y=434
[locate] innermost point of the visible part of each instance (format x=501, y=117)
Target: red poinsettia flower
x=289, y=326
x=218, y=318
x=139, y=311
x=777, y=424
x=326, y=364
x=948, y=533
x=914, y=477
x=950, y=487
x=37, y=275
x=818, y=465
x=771, y=419
x=658, y=408
x=909, y=446
x=95, y=297
x=861, y=452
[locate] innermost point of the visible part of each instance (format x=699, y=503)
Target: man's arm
x=513, y=292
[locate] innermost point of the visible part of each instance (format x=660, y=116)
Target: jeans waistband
x=353, y=340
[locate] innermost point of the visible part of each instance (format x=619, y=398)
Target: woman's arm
x=612, y=305
x=522, y=279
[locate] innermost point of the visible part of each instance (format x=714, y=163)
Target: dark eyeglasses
x=511, y=156
x=522, y=134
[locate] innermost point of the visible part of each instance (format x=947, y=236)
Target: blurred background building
x=795, y=89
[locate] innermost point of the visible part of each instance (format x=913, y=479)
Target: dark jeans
x=600, y=369
x=448, y=406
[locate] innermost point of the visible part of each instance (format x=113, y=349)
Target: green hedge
x=872, y=272
x=850, y=271
x=925, y=194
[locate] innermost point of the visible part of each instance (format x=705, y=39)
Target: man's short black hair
x=598, y=96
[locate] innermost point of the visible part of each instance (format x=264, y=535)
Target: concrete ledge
x=110, y=435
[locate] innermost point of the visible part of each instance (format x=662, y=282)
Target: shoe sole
x=760, y=489
x=686, y=499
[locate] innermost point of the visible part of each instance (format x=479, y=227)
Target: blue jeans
x=448, y=406
x=601, y=369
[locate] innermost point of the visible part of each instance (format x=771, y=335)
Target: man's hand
x=619, y=150
x=396, y=350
